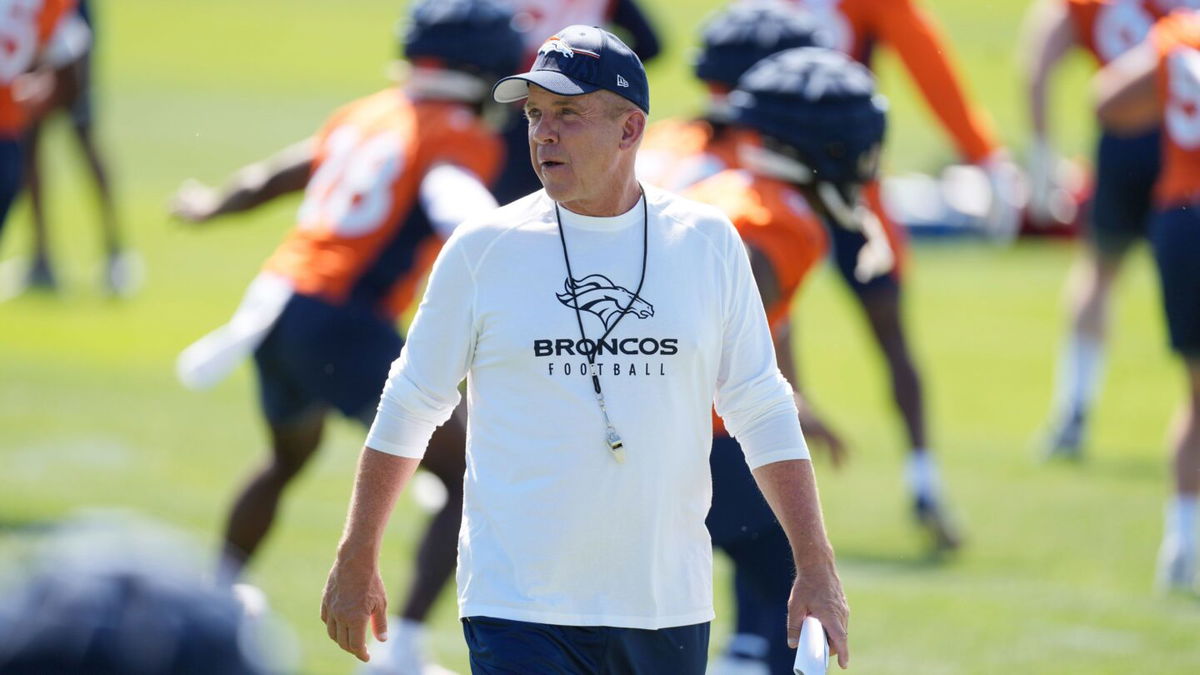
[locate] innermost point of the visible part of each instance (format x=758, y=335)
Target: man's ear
x=632, y=129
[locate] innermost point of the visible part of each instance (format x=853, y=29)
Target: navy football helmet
x=818, y=108
x=742, y=34
x=476, y=36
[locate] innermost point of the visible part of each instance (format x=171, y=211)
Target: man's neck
x=610, y=204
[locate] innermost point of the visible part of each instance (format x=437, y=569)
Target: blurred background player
x=857, y=28
x=385, y=180
x=1126, y=167
x=675, y=154
x=109, y=593
x=40, y=42
x=810, y=152
x=1158, y=85
x=538, y=19
x=74, y=95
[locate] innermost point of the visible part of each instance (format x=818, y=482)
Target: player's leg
x=41, y=272
x=293, y=442
x=880, y=299
x=1176, y=239
x=122, y=269
x=1125, y=172
x=295, y=419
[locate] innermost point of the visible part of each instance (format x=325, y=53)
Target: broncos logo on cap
x=595, y=293
x=557, y=44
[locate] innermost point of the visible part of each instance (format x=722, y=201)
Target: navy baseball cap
x=580, y=60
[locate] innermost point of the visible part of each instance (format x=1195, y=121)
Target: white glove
x=1007, y=198
x=876, y=257
x=1043, y=180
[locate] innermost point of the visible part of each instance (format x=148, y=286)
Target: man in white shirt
x=596, y=323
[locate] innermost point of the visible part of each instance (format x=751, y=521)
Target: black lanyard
x=615, y=444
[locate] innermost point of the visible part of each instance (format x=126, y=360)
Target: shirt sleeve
x=422, y=387
x=450, y=195
x=912, y=32
x=69, y=41
x=752, y=396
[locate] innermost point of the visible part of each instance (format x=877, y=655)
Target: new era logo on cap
x=609, y=64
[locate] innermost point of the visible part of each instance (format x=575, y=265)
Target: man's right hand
x=195, y=202
x=354, y=594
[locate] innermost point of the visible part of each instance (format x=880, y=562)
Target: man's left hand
x=817, y=591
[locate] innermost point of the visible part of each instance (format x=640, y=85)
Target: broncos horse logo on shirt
x=595, y=293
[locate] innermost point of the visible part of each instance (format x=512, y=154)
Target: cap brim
x=516, y=87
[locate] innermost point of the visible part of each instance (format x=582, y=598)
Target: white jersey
x=554, y=529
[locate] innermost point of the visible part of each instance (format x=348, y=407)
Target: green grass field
x=1056, y=577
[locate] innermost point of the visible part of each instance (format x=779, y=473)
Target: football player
x=40, y=39
x=122, y=269
x=1157, y=84
x=385, y=180
x=676, y=154
x=806, y=154
x=1126, y=168
x=538, y=19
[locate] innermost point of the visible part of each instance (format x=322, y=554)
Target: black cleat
x=931, y=517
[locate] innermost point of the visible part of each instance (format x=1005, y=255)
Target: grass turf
x=1056, y=575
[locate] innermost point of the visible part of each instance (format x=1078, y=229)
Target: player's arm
x=284, y=172
x=451, y=194
x=811, y=422
x=1126, y=95
x=643, y=39
x=1049, y=34
x=925, y=52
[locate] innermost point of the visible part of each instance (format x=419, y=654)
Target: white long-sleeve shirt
x=554, y=529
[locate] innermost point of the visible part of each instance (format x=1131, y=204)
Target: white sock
x=1079, y=369
x=922, y=474
x=406, y=639
x=1181, y=521
x=748, y=645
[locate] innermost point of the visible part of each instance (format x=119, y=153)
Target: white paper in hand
x=812, y=656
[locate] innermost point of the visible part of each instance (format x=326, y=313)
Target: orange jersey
x=775, y=220
x=361, y=232
x=1176, y=39
x=677, y=153
x=856, y=27
x=26, y=26
x=1109, y=28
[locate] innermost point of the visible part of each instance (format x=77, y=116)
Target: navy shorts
x=845, y=245
x=322, y=355
x=1126, y=169
x=508, y=647
x=10, y=175
x=744, y=527
x=1175, y=235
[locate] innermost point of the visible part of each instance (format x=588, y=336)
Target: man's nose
x=542, y=130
